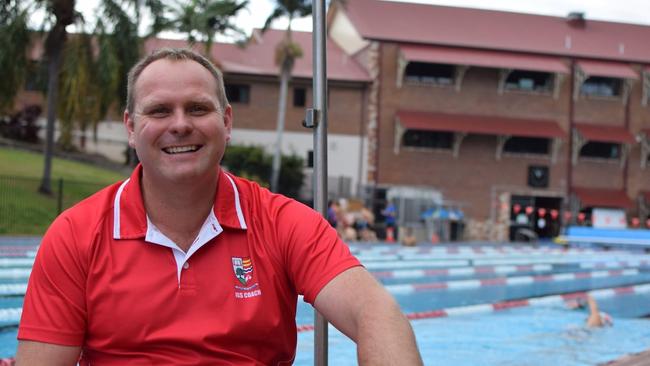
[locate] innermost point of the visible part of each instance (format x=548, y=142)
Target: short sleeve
x=54, y=310
x=314, y=253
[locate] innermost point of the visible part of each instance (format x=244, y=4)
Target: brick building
x=505, y=113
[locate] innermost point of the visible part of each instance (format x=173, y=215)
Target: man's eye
x=159, y=112
x=198, y=110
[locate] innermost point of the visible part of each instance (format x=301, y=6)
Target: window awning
x=601, y=197
x=607, y=69
x=488, y=125
x=482, y=58
x=601, y=133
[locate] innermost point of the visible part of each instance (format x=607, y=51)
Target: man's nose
x=181, y=123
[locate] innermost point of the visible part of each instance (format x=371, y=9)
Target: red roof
x=257, y=57
x=497, y=30
x=494, y=59
x=600, y=197
x=604, y=133
x=607, y=69
x=488, y=125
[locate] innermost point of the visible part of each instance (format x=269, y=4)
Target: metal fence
x=26, y=211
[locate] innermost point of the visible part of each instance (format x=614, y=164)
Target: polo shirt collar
x=130, y=219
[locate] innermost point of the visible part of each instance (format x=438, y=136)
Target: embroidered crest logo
x=243, y=268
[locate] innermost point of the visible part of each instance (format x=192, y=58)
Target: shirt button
x=186, y=265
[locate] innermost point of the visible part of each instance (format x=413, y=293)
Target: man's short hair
x=174, y=54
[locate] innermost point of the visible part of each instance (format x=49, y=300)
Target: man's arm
x=356, y=304
x=37, y=353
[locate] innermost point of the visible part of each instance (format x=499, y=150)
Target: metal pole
x=317, y=118
x=59, y=201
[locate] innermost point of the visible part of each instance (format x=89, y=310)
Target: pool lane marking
x=13, y=273
x=11, y=316
x=13, y=289
x=463, y=271
x=16, y=262
x=375, y=257
x=504, y=281
x=587, y=263
x=505, y=305
x=479, y=250
x=418, y=273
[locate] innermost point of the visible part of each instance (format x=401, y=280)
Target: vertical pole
x=60, y=198
x=320, y=151
x=569, y=168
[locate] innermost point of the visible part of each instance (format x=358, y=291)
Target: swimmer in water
x=596, y=318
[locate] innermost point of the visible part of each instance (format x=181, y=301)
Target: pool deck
x=637, y=359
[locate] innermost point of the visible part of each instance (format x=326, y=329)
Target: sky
x=625, y=11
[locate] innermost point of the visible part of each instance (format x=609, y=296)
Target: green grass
x=24, y=211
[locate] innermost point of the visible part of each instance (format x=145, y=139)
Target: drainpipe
x=627, y=127
x=569, y=170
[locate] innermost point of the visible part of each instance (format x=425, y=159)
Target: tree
x=286, y=53
x=80, y=89
x=251, y=162
x=202, y=20
x=64, y=15
x=14, y=41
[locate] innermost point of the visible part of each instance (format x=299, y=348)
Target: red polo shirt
x=105, y=279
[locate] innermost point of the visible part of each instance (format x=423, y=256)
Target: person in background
x=390, y=219
x=409, y=239
x=332, y=213
x=186, y=264
x=596, y=318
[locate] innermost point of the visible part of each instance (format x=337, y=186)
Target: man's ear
x=227, y=121
x=130, y=128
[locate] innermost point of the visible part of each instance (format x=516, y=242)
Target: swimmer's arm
x=594, y=319
x=37, y=353
x=356, y=304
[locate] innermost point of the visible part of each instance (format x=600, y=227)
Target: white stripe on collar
x=240, y=214
x=116, y=210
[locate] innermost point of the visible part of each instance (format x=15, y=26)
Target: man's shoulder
x=92, y=209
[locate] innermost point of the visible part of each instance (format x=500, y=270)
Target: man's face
x=178, y=129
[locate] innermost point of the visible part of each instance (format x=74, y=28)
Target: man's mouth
x=181, y=149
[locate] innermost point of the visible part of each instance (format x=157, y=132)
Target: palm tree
x=14, y=41
x=202, y=20
x=64, y=15
x=286, y=53
x=81, y=91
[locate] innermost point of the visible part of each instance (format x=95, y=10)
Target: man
x=164, y=268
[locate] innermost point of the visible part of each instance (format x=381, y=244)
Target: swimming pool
x=476, y=304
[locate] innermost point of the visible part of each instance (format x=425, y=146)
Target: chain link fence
x=26, y=211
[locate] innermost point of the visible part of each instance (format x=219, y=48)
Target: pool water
x=532, y=335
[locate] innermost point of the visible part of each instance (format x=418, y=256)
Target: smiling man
x=185, y=264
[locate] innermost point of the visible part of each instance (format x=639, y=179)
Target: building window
x=428, y=73
x=527, y=145
x=299, y=97
x=238, y=93
x=36, y=76
x=603, y=150
x=597, y=86
x=428, y=139
x=310, y=159
x=530, y=81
